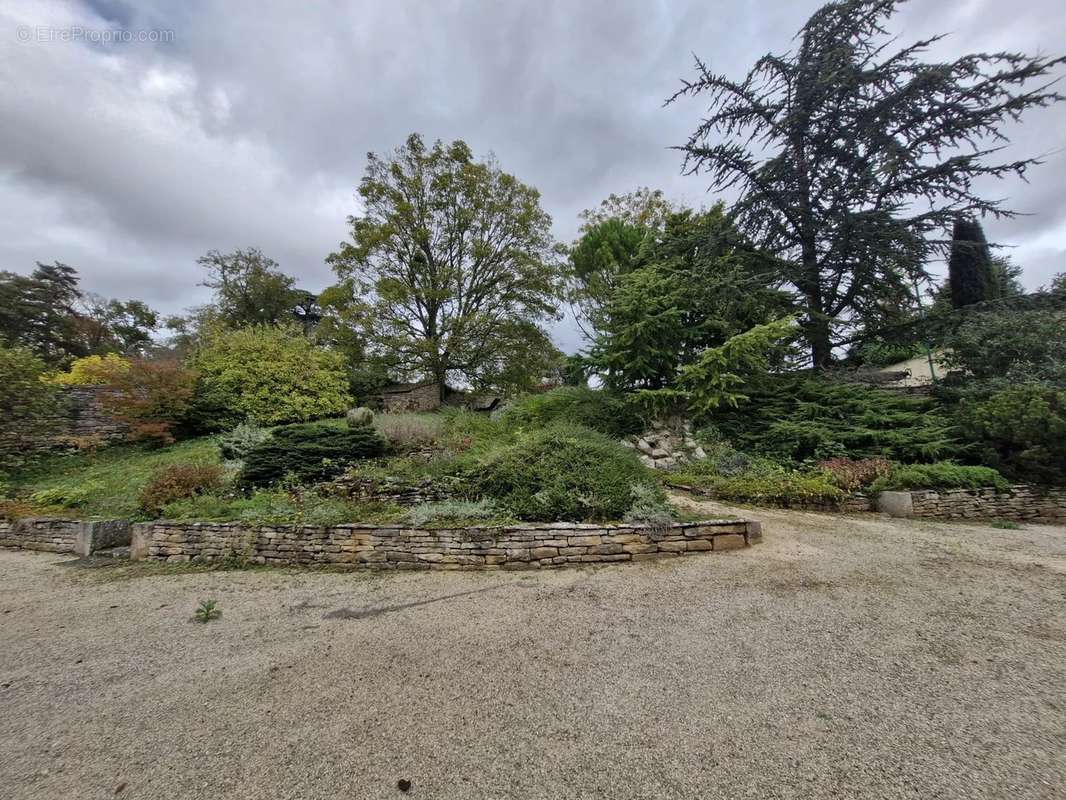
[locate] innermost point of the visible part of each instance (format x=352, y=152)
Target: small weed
x=207, y=611
x=1005, y=524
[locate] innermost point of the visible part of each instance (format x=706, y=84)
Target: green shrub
x=311, y=452
x=65, y=496
x=649, y=507
x=235, y=444
x=778, y=489
x=452, y=511
x=1022, y=430
x=562, y=473
x=359, y=417
x=575, y=405
x=941, y=475
x=853, y=474
x=271, y=374
x=798, y=419
x=178, y=481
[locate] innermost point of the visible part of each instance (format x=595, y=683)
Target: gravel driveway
x=847, y=657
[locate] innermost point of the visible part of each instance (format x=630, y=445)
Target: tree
x=971, y=276
x=117, y=326
x=449, y=256
x=852, y=158
x=644, y=208
x=1015, y=345
x=27, y=404
x=717, y=378
x=606, y=252
x=694, y=285
x=39, y=312
x=250, y=289
x=271, y=374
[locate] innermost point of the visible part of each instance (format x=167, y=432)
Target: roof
x=402, y=388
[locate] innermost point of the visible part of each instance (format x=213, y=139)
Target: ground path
x=847, y=657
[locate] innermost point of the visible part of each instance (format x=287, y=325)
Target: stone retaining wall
x=52, y=535
x=1018, y=502
x=384, y=547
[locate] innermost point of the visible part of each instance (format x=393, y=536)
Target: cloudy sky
x=249, y=123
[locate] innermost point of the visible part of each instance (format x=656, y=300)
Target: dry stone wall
x=1018, y=503
x=531, y=546
x=54, y=535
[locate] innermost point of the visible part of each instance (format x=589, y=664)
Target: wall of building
x=376, y=547
x=419, y=398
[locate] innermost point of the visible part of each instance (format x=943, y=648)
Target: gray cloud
x=251, y=126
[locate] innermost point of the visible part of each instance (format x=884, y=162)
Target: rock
x=658, y=453
x=647, y=461
x=699, y=453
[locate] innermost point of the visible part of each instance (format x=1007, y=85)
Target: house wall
x=420, y=398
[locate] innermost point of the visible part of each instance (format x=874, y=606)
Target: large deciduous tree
x=853, y=157
x=251, y=289
x=451, y=268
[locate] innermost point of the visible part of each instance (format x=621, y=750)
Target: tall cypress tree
x=971, y=275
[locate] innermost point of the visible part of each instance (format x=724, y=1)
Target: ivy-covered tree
x=853, y=157
x=971, y=276
x=451, y=266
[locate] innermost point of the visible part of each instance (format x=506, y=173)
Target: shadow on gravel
x=348, y=613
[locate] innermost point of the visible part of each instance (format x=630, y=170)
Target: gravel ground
x=851, y=657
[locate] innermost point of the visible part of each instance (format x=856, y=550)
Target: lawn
x=107, y=483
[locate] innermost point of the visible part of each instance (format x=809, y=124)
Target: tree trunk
x=818, y=338
x=816, y=328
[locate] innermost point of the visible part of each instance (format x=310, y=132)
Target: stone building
x=400, y=397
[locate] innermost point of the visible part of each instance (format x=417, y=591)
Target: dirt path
x=846, y=657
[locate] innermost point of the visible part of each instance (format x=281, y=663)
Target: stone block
x=584, y=541
x=728, y=541
x=605, y=549
x=895, y=504
x=673, y=547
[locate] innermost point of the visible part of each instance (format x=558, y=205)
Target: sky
x=136, y=136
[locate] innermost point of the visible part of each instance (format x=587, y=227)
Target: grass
x=1005, y=524
x=112, y=477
